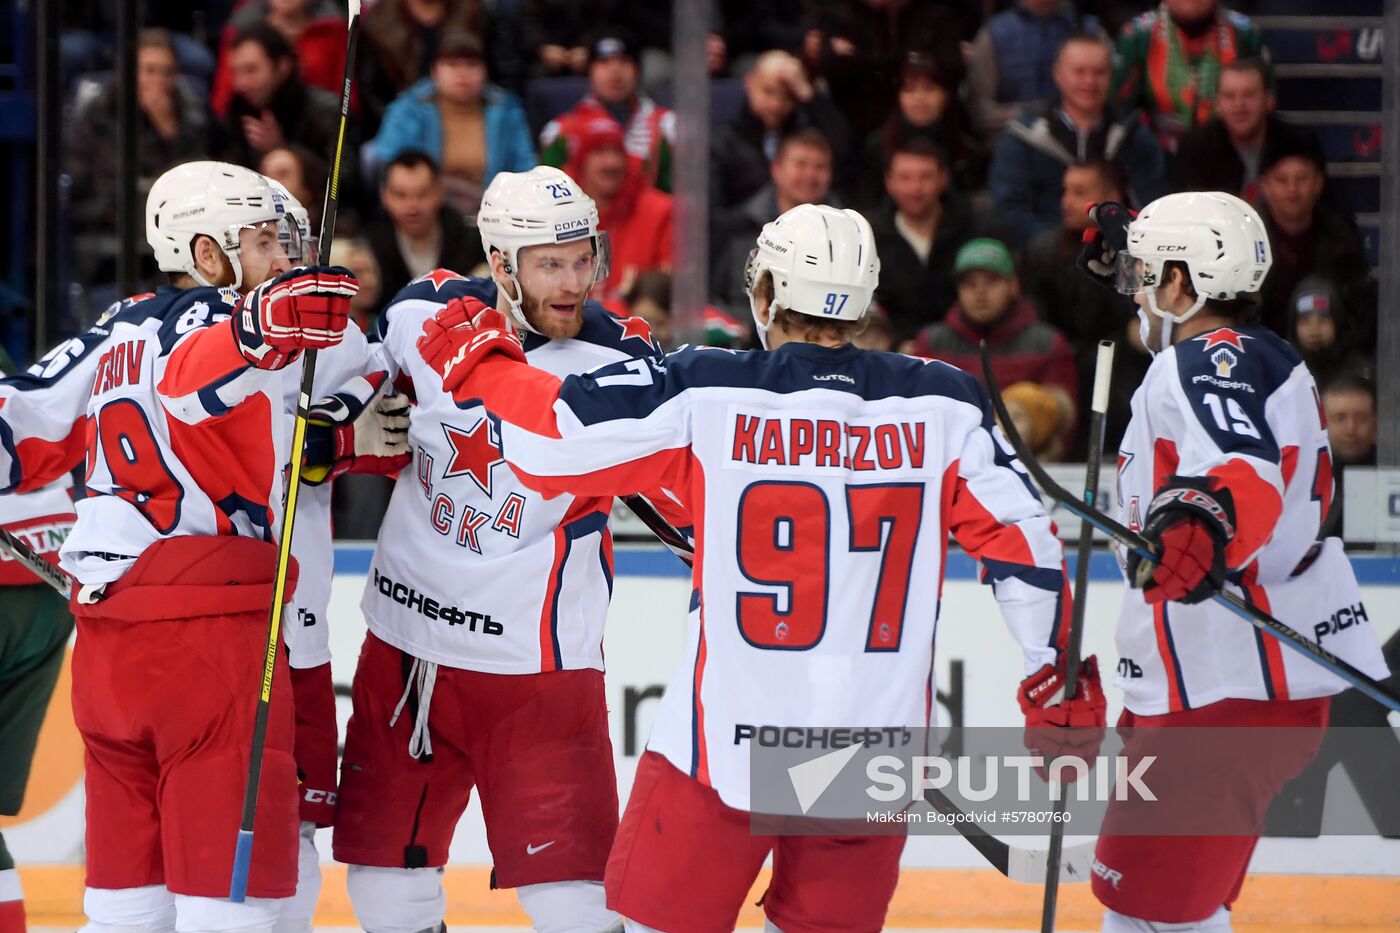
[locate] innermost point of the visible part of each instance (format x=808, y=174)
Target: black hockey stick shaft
x=1143, y=549
x=31, y=561
x=1098, y=410
x=996, y=852
x=243, y=851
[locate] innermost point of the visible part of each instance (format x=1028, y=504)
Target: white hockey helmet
x=822, y=262
x=540, y=207
x=218, y=200
x=1219, y=237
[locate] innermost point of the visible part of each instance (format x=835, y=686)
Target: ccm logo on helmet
x=1171, y=248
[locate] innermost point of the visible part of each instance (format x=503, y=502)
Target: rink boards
x=1332, y=883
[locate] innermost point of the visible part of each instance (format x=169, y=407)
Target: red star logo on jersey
x=439, y=278
x=638, y=328
x=1225, y=336
x=474, y=453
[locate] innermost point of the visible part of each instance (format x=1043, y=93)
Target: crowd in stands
x=973, y=143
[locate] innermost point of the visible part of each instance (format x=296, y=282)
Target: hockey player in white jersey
x=824, y=481
x=485, y=602
x=1225, y=468
x=46, y=409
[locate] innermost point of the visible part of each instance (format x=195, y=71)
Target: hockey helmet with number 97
x=1219, y=237
x=218, y=200
x=822, y=263
x=540, y=207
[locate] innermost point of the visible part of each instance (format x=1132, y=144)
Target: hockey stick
x=35, y=564
x=243, y=851
x=1143, y=548
x=1025, y=865
x=1098, y=410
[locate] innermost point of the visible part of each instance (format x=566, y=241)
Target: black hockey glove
x=1103, y=241
x=1189, y=523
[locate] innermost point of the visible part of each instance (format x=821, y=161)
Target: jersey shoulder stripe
x=137, y=311
x=871, y=375
x=439, y=287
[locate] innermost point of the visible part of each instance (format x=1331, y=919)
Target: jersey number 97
x=785, y=541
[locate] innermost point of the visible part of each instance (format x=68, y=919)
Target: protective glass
x=1134, y=275
x=751, y=272
x=271, y=240
x=547, y=269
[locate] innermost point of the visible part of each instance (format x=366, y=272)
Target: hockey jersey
x=43, y=421
x=472, y=568
x=1238, y=404
x=41, y=519
x=824, y=483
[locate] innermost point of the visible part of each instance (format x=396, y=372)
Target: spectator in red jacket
x=314, y=28
x=990, y=307
x=614, y=80
x=636, y=217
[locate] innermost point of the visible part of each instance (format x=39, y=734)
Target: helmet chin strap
x=1168, y=321
x=237, y=272
x=515, y=302
x=758, y=323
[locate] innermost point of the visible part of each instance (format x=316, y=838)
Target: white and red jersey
x=1238, y=404
x=305, y=627
x=824, y=483
x=183, y=438
x=43, y=410
x=473, y=569
x=41, y=519
x=43, y=435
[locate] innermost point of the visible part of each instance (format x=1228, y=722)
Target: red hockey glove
x=304, y=309
x=1056, y=727
x=1103, y=241
x=357, y=430
x=461, y=335
x=1189, y=523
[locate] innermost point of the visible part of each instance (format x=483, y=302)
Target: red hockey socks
x=11, y=902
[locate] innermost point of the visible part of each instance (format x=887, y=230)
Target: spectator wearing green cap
x=990, y=307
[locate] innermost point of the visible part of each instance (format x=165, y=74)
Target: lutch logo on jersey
x=827, y=443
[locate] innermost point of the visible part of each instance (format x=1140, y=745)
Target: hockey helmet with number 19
x=1219, y=237
x=540, y=207
x=218, y=200
x=822, y=263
